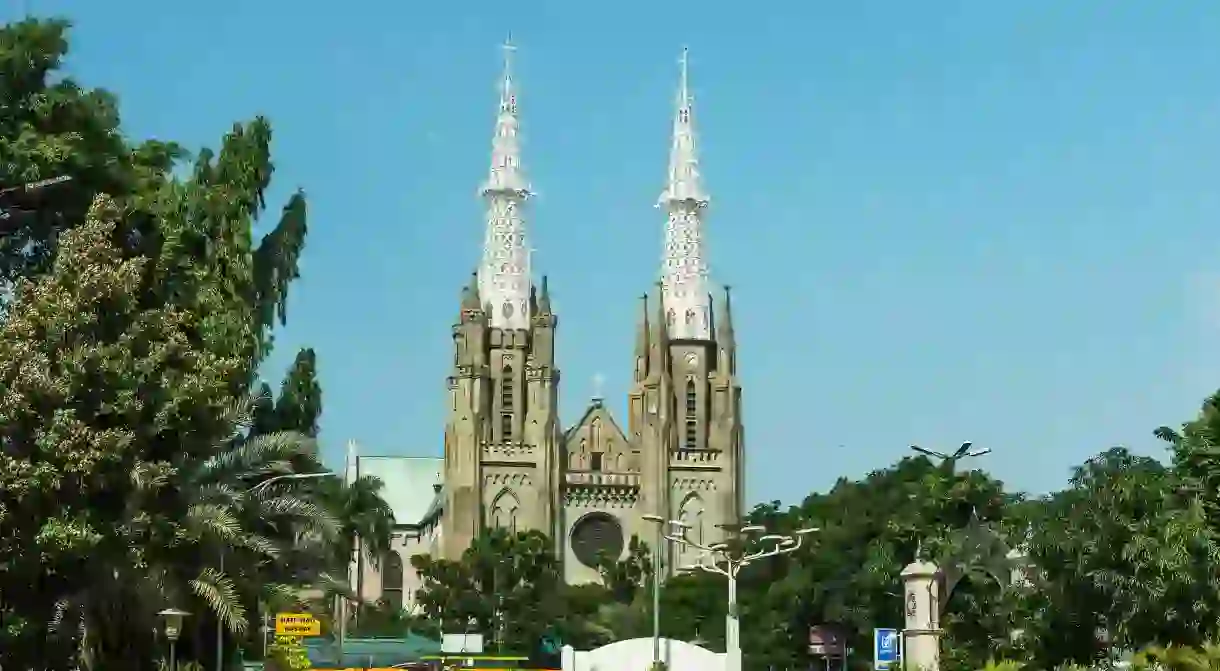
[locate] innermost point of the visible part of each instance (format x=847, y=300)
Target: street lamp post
x=657, y=567
x=728, y=561
x=964, y=452
x=173, y=628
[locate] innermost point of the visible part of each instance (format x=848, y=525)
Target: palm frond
x=330, y=583
x=216, y=492
x=280, y=596
x=261, y=545
x=220, y=593
x=151, y=476
x=239, y=415
x=66, y=613
x=208, y=519
x=265, y=453
x=306, y=513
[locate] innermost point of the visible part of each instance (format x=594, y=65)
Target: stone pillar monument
x=921, y=608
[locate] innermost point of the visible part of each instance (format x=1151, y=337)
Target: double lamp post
x=722, y=558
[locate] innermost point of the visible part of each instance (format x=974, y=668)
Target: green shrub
x=287, y=654
x=1178, y=658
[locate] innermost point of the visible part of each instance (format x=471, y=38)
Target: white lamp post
x=656, y=585
x=720, y=558
x=173, y=628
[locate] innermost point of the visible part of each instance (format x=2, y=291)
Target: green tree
x=505, y=586
x=85, y=364
x=627, y=577
x=1195, y=451
x=1119, y=553
x=847, y=574
x=123, y=359
x=300, y=402
x=52, y=127
x=364, y=515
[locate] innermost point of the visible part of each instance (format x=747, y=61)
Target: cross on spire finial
x=684, y=61
x=508, y=100
x=598, y=381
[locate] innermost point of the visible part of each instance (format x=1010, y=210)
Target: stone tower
x=685, y=405
x=500, y=436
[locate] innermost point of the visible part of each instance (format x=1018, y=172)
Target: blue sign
x=885, y=648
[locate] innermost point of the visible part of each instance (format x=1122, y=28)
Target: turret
x=641, y=342
x=726, y=340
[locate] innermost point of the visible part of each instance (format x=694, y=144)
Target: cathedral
x=508, y=460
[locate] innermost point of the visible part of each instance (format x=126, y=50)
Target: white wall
x=636, y=653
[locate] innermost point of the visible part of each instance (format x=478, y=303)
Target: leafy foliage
x=136, y=470
x=288, y=654
x=1118, y=552
x=505, y=584
x=624, y=577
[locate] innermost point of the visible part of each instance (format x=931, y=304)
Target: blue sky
x=942, y=221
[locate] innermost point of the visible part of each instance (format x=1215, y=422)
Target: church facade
x=509, y=462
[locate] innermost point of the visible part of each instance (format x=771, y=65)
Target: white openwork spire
x=684, y=281
x=504, y=274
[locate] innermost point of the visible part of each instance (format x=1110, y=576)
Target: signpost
x=297, y=624
x=886, y=648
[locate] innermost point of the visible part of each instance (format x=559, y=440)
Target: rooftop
x=410, y=483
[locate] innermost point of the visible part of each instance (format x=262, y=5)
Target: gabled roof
x=596, y=410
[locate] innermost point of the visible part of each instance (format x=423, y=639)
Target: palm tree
x=363, y=514
x=214, y=534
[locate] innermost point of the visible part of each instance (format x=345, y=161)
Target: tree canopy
x=144, y=464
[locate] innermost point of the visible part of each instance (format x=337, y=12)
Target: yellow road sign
x=297, y=624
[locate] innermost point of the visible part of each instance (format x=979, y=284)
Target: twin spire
x=504, y=274
x=503, y=277
x=684, y=277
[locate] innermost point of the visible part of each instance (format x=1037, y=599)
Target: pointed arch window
x=691, y=512
x=692, y=415
x=504, y=511
x=507, y=402
x=391, y=580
